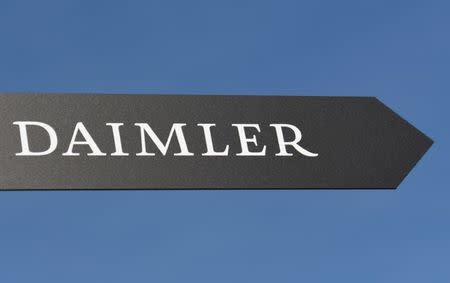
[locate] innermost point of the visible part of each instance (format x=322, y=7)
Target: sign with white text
x=86, y=141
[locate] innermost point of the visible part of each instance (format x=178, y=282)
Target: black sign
x=83, y=141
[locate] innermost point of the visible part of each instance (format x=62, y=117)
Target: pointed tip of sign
x=422, y=142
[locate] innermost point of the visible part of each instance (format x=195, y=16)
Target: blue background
x=396, y=50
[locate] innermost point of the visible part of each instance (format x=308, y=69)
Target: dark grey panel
x=361, y=143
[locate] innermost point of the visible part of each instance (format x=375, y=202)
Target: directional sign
x=85, y=141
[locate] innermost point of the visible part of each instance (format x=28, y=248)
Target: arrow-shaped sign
x=75, y=141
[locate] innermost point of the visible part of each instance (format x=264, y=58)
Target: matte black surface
x=361, y=143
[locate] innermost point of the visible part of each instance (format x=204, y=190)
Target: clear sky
x=395, y=50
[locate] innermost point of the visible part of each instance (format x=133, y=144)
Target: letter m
x=177, y=128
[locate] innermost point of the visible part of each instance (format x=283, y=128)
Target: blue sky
x=395, y=50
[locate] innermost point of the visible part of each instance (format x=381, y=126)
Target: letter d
x=24, y=138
